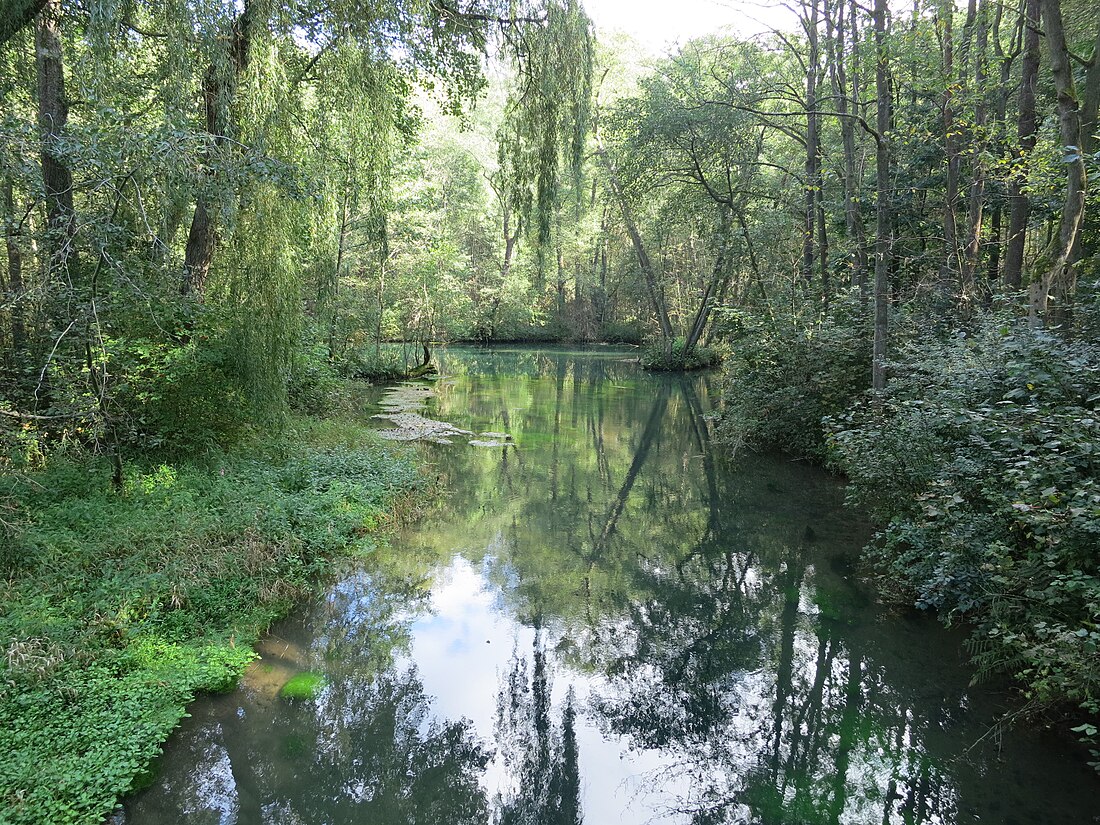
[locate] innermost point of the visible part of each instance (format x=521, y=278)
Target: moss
x=306, y=685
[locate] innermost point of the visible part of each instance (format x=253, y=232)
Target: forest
x=222, y=220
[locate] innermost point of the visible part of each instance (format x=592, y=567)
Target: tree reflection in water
x=542, y=759
x=728, y=668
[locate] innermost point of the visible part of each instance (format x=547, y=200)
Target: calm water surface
x=610, y=621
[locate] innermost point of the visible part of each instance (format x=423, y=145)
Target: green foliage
x=677, y=358
x=178, y=395
x=303, y=686
x=120, y=605
x=981, y=462
x=622, y=332
x=783, y=377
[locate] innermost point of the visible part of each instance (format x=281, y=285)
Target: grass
x=118, y=606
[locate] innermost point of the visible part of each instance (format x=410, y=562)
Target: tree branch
x=17, y=15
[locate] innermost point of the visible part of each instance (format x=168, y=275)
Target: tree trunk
x=976, y=201
x=15, y=279
x=949, y=262
x=882, y=192
x=1090, y=102
x=1058, y=282
x=53, y=113
x=645, y=264
x=218, y=89
x=853, y=218
x=813, y=159
x=1000, y=110
x=1026, y=129
x=714, y=286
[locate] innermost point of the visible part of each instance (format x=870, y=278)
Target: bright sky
x=661, y=23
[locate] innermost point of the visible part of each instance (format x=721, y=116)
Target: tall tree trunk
x=219, y=90
x=976, y=200
x=15, y=279
x=1090, y=102
x=882, y=191
x=949, y=262
x=813, y=147
x=853, y=217
x=1058, y=282
x=714, y=286
x=53, y=114
x=649, y=275
x=1026, y=129
x=1000, y=112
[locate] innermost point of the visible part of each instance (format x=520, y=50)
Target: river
x=604, y=617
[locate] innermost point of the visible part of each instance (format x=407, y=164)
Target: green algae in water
x=305, y=685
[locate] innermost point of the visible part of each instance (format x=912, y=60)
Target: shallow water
x=610, y=620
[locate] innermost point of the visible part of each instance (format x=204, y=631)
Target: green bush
x=982, y=463
x=658, y=358
x=376, y=365
x=179, y=395
x=622, y=332
x=783, y=377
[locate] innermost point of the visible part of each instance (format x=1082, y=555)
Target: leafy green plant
x=127, y=602
x=981, y=464
x=783, y=377
x=676, y=358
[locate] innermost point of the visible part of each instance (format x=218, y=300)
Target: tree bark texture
x=949, y=267
x=882, y=207
x=1027, y=126
x=15, y=273
x=976, y=200
x=219, y=89
x=53, y=114
x=1058, y=282
x=813, y=148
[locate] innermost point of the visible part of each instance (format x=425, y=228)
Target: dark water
x=611, y=621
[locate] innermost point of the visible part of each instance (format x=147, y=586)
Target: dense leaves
x=982, y=461
x=120, y=605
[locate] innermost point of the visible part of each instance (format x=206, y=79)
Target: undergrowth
x=677, y=358
x=119, y=605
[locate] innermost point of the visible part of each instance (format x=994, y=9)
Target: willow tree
x=546, y=117
x=219, y=152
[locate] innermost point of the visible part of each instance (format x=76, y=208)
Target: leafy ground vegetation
x=980, y=464
x=120, y=604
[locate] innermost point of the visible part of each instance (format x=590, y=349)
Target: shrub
x=783, y=377
x=376, y=364
x=622, y=332
x=676, y=359
x=981, y=462
x=313, y=387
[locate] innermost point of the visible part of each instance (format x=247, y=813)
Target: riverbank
x=121, y=605
x=977, y=464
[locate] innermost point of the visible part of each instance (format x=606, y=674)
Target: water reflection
x=541, y=758
x=611, y=618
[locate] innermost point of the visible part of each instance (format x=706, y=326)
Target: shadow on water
x=699, y=648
